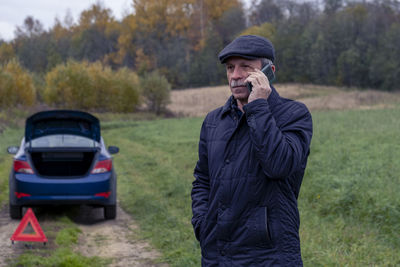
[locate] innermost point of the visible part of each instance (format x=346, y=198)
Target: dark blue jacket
x=247, y=180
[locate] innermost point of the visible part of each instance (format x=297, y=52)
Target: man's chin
x=240, y=92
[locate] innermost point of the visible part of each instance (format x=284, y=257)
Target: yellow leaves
x=171, y=18
x=164, y=17
x=266, y=30
x=16, y=86
x=359, y=11
x=128, y=29
x=93, y=87
x=97, y=16
x=215, y=8
x=143, y=62
x=66, y=85
x=6, y=52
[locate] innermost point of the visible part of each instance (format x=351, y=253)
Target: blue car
x=62, y=160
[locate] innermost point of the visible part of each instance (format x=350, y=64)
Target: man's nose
x=237, y=73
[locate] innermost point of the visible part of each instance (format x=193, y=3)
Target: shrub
x=68, y=86
x=156, y=91
x=16, y=86
x=92, y=86
x=125, y=91
x=100, y=85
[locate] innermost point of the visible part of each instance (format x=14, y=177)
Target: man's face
x=237, y=70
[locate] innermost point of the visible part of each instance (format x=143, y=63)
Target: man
x=252, y=156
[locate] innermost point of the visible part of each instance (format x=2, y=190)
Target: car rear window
x=79, y=126
x=63, y=140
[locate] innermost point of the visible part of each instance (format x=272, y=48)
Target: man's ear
x=273, y=68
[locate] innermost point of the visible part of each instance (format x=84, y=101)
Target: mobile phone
x=267, y=70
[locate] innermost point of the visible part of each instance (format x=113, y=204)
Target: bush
x=68, y=86
x=125, y=91
x=156, y=91
x=16, y=86
x=81, y=85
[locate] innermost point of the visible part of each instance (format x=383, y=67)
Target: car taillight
x=102, y=166
x=22, y=167
x=19, y=195
x=103, y=194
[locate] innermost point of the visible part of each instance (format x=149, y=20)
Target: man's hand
x=261, y=86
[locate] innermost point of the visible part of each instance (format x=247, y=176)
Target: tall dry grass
x=199, y=101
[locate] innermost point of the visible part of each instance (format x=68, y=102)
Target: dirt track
x=108, y=239
x=7, y=228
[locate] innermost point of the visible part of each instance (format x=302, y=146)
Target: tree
x=265, y=11
x=266, y=30
x=16, y=86
x=231, y=22
x=162, y=18
x=32, y=44
x=384, y=71
x=6, y=52
x=31, y=27
x=96, y=35
x=156, y=91
x=172, y=33
x=126, y=42
x=61, y=34
x=332, y=6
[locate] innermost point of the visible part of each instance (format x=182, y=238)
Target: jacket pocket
x=259, y=231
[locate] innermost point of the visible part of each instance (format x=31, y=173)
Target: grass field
x=349, y=201
x=154, y=171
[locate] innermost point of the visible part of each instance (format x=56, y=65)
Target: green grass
x=154, y=170
x=9, y=137
x=349, y=201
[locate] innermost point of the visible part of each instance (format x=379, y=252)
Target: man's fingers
x=251, y=79
x=255, y=77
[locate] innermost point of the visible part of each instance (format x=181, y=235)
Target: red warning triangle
x=19, y=235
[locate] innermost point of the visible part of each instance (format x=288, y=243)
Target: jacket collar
x=273, y=99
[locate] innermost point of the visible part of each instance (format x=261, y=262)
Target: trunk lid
x=62, y=122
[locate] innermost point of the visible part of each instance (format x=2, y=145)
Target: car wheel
x=15, y=212
x=110, y=212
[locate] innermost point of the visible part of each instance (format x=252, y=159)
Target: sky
x=14, y=12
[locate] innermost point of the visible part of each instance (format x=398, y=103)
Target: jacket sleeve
x=280, y=150
x=201, y=184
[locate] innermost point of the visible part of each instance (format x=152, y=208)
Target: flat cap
x=248, y=46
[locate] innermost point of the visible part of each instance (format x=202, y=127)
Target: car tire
x=110, y=212
x=15, y=212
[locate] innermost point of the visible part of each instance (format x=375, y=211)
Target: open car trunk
x=62, y=142
x=77, y=162
x=62, y=122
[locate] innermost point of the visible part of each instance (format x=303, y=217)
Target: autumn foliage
x=16, y=86
x=81, y=85
x=331, y=42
